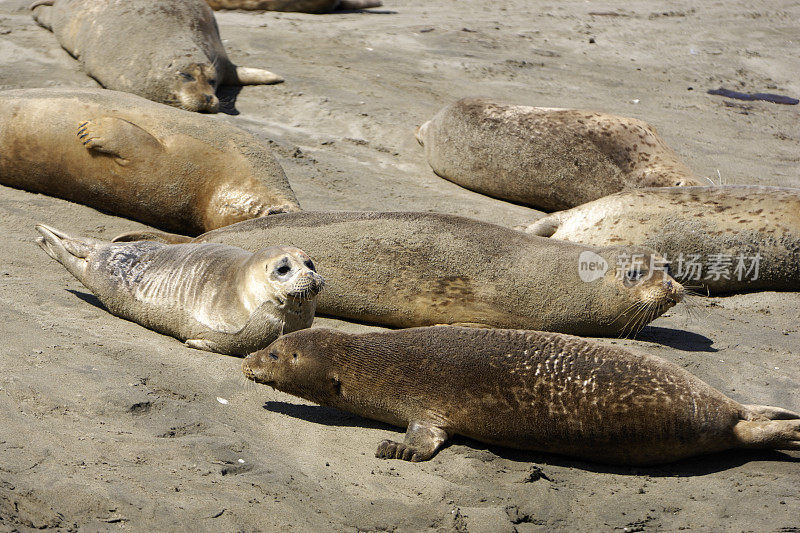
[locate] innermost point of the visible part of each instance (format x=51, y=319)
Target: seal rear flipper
x=544, y=227
x=754, y=412
x=116, y=137
x=252, y=76
x=768, y=434
x=152, y=235
x=421, y=443
x=69, y=252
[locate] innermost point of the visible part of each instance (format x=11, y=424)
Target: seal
x=544, y=157
x=423, y=269
x=169, y=52
x=719, y=239
x=521, y=389
x=301, y=6
x=214, y=297
x=138, y=159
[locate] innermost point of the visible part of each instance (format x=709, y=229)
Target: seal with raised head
x=720, y=239
x=138, y=159
x=166, y=51
x=547, y=158
x=214, y=297
x=522, y=389
x=423, y=269
x=300, y=6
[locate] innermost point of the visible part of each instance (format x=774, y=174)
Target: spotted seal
x=719, y=239
x=547, y=158
x=166, y=51
x=522, y=389
x=212, y=296
x=421, y=269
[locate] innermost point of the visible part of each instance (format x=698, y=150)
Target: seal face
x=521, y=389
x=547, y=158
x=720, y=238
x=422, y=269
x=213, y=297
x=135, y=158
x=185, y=60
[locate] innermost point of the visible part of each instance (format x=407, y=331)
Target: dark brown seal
x=521, y=389
x=300, y=6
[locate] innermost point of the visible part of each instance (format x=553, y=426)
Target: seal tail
x=69, y=252
x=345, y=5
x=767, y=427
x=544, y=227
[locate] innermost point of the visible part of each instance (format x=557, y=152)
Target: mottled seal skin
x=547, y=158
x=736, y=221
x=521, y=389
x=214, y=297
x=168, y=51
x=300, y=6
x=134, y=158
x=422, y=269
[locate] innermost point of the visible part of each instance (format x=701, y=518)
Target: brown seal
x=213, y=297
x=169, y=52
x=545, y=157
x=720, y=239
x=521, y=389
x=423, y=269
x=300, y=6
x=134, y=158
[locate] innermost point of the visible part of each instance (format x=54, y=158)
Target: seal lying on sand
x=301, y=6
x=723, y=239
x=521, y=389
x=545, y=157
x=421, y=269
x=166, y=51
x=131, y=157
x=214, y=297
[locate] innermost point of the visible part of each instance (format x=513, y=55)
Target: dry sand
x=105, y=425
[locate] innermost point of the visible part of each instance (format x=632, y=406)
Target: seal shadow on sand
x=327, y=416
x=676, y=338
x=88, y=298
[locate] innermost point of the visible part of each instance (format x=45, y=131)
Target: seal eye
x=310, y=265
x=283, y=270
x=212, y=82
x=187, y=77
x=273, y=356
x=294, y=356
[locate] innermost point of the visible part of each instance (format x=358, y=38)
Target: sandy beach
x=105, y=425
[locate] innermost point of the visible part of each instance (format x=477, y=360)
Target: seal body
x=418, y=269
x=521, y=389
x=166, y=51
x=301, y=6
x=547, y=158
x=214, y=297
x=131, y=157
x=723, y=239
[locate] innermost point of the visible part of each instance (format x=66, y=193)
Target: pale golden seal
x=168, y=51
x=719, y=239
x=419, y=269
x=300, y=6
x=134, y=158
x=213, y=297
x=521, y=389
x=545, y=157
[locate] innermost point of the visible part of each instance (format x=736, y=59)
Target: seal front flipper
x=544, y=227
x=252, y=76
x=203, y=344
x=421, y=442
x=116, y=137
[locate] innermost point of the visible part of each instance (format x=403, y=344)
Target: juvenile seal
x=300, y=6
x=422, y=269
x=166, y=51
x=547, y=158
x=214, y=297
x=522, y=389
x=134, y=158
x=721, y=239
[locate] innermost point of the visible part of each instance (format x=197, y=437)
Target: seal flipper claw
x=253, y=76
x=114, y=136
x=421, y=443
